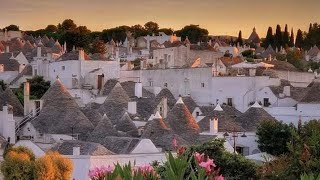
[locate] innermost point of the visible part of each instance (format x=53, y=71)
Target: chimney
x=132, y=107
x=138, y=89
x=76, y=151
x=148, y=42
x=1, y=67
x=117, y=55
x=81, y=54
x=39, y=51
x=214, y=125
x=286, y=91
x=7, y=49
x=26, y=98
x=21, y=67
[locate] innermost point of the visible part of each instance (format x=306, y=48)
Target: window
x=202, y=84
x=266, y=102
x=63, y=68
x=165, y=84
x=151, y=83
x=160, y=109
x=35, y=72
x=229, y=102
x=197, y=113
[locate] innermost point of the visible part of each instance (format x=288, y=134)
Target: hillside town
x=132, y=101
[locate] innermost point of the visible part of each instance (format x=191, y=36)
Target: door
x=100, y=81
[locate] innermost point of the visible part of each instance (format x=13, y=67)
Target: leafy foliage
x=233, y=166
x=194, y=32
x=18, y=164
x=303, y=156
x=273, y=137
x=38, y=86
x=53, y=166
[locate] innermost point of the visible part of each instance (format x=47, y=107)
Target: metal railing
x=28, y=118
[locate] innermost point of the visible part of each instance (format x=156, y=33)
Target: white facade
x=203, y=87
x=75, y=73
x=8, y=35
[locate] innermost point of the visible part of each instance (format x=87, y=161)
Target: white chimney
x=1, y=67
x=214, y=126
x=138, y=89
x=148, y=42
x=117, y=55
x=76, y=151
x=7, y=49
x=286, y=91
x=132, y=107
x=21, y=67
x=39, y=51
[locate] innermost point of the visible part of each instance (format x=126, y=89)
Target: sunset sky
x=218, y=16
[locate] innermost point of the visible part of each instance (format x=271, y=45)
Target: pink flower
x=146, y=168
x=174, y=142
x=199, y=157
x=219, y=178
x=207, y=165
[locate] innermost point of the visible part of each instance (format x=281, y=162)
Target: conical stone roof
x=115, y=104
x=27, y=47
x=252, y=117
x=166, y=93
x=160, y=134
x=103, y=129
x=313, y=95
x=61, y=114
x=92, y=114
x=182, y=122
x=126, y=125
x=7, y=97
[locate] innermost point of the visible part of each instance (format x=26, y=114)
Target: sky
x=220, y=17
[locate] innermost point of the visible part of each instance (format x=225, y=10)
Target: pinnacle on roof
x=187, y=41
x=180, y=101
x=157, y=116
x=151, y=117
x=256, y=105
x=218, y=108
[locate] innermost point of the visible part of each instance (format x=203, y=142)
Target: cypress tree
x=278, y=37
x=269, y=38
x=285, y=41
x=291, y=43
x=240, y=40
x=299, y=39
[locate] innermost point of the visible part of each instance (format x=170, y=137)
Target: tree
x=269, y=40
x=53, y=166
x=286, y=40
x=278, y=37
x=12, y=27
x=117, y=34
x=273, y=137
x=151, y=27
x=38, y=86
x=240, y=40
x=167, y=31
x=51, y=28
x=68, y=25
x=138, y=30
x=299, y=39
x=194, y=33
x=18, y=164
x=233, y=166
x=291, y=42
x=98, y=46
